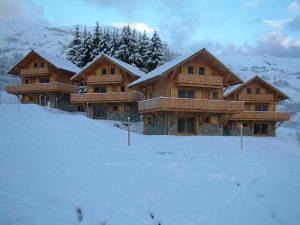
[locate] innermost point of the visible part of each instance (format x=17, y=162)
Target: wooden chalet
x=185, y=96
x=259, y=116
x=107, y=94
x=44, y=78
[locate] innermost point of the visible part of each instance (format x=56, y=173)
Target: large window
x=190, y=70
x=186, y=124
x=100, y=89
x=257, y=91
x=261, y=107
x=260, y=129
x=249, y=91
x=100, y=112
x=112, y=71
x=201, y=71
x=104, y=71
x=44, y=80
x=185, y=93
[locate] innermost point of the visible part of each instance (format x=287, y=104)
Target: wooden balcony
x=130, y=96
x=35, y=71
x=104, y=79
x=190, y=105
x=256, y=98
x=262, y=116
x=197, y=80
x=42, y=87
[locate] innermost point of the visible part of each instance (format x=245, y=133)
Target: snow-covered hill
x=18, y=36
x=60, y=168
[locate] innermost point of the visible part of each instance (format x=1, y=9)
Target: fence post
x=241, y=136
x=129, y=124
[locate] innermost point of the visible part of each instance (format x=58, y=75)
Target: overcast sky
x=251, y=26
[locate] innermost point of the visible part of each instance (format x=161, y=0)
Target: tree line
x=128, y=45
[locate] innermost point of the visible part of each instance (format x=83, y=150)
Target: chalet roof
x=57, y=62
x=281, y=95
x=129, y=68
x=161, y=70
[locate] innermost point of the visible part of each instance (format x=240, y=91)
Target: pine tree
x=114, y=43
x=73, y=47
x=123, y=51
x=104, y=43
x=144, y=46
x=96, y=41
x=134, y=54
x=85, y=52
x=156, y=53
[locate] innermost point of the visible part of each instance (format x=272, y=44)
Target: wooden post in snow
x=129, y=124
x=298, y=138
x=241, y=136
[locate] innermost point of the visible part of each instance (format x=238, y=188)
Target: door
x=186, y=125
x=260, y=129
x=100, y=112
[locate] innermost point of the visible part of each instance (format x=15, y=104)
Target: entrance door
x=186, y=125
x=44, y=99
x=100, y=112
x=260, y=129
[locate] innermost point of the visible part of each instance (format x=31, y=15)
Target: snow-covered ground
x=53, y=165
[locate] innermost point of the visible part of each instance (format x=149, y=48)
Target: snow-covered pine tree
x=96, y=41
x=156, y=52
x=123, y=51
x=144, y=47
x=85, y=52
x=114, y=42
x=73, y=47
x=104, y=42
x=134, y=54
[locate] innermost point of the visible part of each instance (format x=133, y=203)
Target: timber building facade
x=45, y=78
x=191, y=95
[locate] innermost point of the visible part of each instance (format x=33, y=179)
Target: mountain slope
x=56, y=166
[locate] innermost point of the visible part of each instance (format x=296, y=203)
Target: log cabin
x=185, y=96
x=259, y=116
x=45, y=78
x=107, y=94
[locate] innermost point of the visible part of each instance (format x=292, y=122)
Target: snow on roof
x=130, y=68
x=230, y=89
x=58, y=62
x=169, y=65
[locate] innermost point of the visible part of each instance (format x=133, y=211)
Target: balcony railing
x=102, y=79
x=190, y=105
x=197, y=80
x=42, y=87
x=130, y=96
x=35, y=71
x=262, y=116
x=256, y=98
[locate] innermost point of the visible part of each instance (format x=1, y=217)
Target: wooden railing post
x=129, y=124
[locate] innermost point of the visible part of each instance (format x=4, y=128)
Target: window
x=100, y=89
x=42, y=64
x=261, y=107
x=201, y=71
x=207, y=119
x=122, y=88
x=112, y=71
x=215, y=94
x=100, y=112
x=249, y=91
x=260, y=129
x=26, y=81
x=257, y=91
x=245, y=124
x=44, y=80
x=115, y=108
x=186, y=124
x=104, y=71
x=185, y=93
x=190, y=70
x=35, y=65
